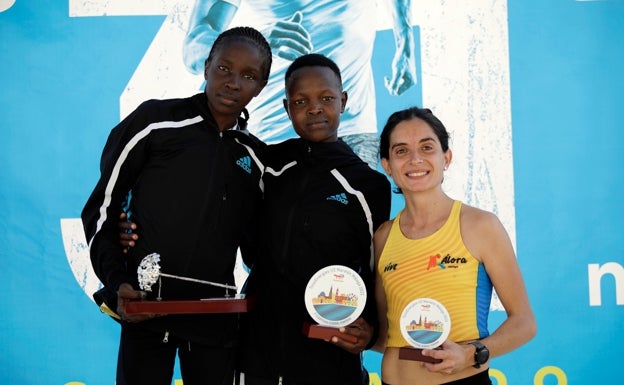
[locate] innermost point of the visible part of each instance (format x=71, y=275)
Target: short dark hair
x=247, y=34
x=424, y=114
x=312, y=60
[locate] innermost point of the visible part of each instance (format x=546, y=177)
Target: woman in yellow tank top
x=446, y=250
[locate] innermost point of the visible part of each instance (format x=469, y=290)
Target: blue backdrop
x=63, y=75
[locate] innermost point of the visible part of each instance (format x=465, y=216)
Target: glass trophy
x=334, y=297
x=149, y=274
x=425, y=324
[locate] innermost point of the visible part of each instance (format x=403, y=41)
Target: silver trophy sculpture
x=149, y=272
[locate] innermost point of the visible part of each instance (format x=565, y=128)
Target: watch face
x=482, y=355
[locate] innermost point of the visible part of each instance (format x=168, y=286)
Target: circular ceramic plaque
x=335, y=296
x=425, y=323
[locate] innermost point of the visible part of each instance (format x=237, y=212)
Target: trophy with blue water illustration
x=334, y=297
x=425, y=324
x=149, y=274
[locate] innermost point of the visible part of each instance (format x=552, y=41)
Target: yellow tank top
x=439, y=267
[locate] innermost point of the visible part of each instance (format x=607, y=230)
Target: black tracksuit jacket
x=321, y=207
x=193, y=189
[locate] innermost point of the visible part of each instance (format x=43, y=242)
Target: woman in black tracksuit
x=189, y=173
x=321, y=206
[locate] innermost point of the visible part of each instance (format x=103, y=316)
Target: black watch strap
x=482, y=354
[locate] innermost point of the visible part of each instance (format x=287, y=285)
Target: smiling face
x=416, y=161
x=314, y=102
x=234, y=75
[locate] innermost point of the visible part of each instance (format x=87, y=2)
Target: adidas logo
x=245, y=163
x=342, y=198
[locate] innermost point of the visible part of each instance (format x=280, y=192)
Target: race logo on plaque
x=335, y=296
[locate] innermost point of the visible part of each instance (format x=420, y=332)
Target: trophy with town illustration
x=334, y=297
x=149, y=274
x=425, y=324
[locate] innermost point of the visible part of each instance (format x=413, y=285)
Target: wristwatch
x=482, y=354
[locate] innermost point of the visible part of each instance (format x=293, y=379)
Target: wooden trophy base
x=326, y=333
x=414, y=354
x=238, y=304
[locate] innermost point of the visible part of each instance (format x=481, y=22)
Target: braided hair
x=246, y=34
